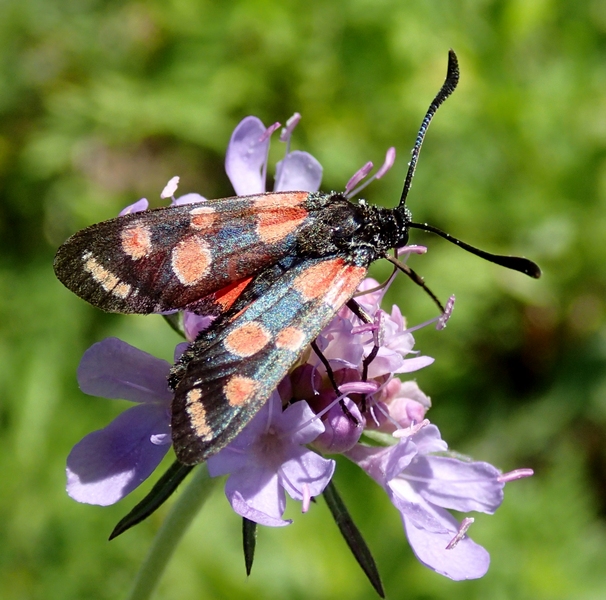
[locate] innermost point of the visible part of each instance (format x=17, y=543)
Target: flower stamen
x=466, y=523
x=170, y=188
x=390, y=157
x=513, y=475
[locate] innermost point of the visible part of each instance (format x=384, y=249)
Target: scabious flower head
x=341, y=387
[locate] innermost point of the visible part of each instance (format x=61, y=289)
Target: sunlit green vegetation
x=102, y=102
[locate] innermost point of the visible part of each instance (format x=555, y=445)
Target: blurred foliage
x=102, y=102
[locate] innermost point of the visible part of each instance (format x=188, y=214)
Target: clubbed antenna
x=452, y=78
x=516, y=263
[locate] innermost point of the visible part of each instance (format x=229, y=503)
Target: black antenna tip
x=452, y=70
x=516, y=263
x=530, y=267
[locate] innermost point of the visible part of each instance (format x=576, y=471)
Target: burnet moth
x=274, y=268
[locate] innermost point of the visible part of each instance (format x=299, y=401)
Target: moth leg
x=333, y=381
x=377, y=336
x=416, y=278
x=357, y=310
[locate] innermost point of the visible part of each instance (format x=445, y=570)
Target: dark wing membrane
x=228, y=376
x=169, y=258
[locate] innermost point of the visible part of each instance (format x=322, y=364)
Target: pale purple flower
x=268, y=458
x=327, y=408
x=246, y=161
x=422, y=486
x=110, y=463
x=138, y=206
x=399, y=404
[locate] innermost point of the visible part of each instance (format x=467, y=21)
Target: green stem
x=182, y=513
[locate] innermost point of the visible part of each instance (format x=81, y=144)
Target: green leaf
x=158, y=495
x=249, y=541
x=353, y=537
x=175, y=320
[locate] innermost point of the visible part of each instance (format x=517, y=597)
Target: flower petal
x=298, y=171
x=428, y=440
x=110, y=463
x=239, y=454
x=138, y=206
x=382, y=464
x=257, y=495
x=344, y=346
x=341, y=432
x=305, y=468
x=246, y=155
x=191, y=198
x=458, y=485
x=298, y=421
x=230, y=459
x=412, y=506
x=467, y=560
x=242, y=508
x=114, y=369
x=414, y=364
x=193, y=324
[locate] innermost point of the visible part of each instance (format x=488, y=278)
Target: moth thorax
x=402, y=217
x=388, y=228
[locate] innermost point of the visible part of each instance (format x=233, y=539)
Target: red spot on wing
x=280, y=200
x=247, y=339
x=317, y=280
x=239, y=390
x=191, y=259
x=279, y=214
x=202, y=217
x=136, y=241
x=345, y=286
x=290, y=338
x=275, y=225
x=229, y=294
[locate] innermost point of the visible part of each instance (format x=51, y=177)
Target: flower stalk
x=177, y=522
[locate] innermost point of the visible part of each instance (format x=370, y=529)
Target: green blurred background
x=102, y=102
